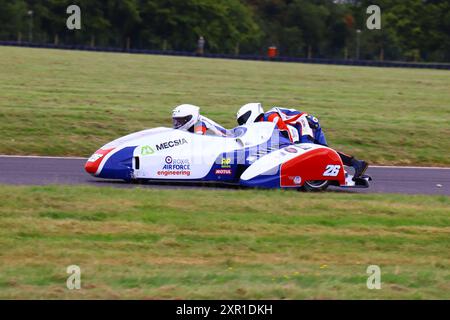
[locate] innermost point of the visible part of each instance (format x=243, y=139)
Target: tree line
x=411, y=30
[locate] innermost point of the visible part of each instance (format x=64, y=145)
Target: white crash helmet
x=185, y=116
x=249, y=112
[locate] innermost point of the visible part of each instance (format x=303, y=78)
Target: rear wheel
x=316, y=185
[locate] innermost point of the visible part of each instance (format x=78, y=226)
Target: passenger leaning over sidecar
x=299, y=126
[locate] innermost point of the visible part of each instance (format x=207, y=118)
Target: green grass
x=147, y=243
x=55, y=102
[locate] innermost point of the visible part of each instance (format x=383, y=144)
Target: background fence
x=349, y=62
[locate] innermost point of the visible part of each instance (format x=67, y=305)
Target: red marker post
x=272, y=52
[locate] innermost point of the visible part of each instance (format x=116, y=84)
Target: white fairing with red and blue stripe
x=254, y=155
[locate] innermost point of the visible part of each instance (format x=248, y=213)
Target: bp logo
x=226, y=163
x=146, y=150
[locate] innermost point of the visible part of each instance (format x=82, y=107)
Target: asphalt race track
x=17, y=170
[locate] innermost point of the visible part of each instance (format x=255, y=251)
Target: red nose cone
x=93, y=163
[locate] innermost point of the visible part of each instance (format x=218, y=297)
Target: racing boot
x=360, y=167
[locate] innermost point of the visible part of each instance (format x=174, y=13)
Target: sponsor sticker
x=295, y=179
x=171, y=144
x=173, y=173
x=176, y=164
x=175, y=167
x=226, y=163
x=223, y=172
x=291, y=150
x=146, y=150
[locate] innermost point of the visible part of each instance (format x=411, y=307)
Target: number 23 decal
x=331, y=170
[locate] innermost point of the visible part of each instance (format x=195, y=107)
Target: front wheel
x=316, y=185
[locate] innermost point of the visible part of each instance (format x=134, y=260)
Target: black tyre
x=316, y=185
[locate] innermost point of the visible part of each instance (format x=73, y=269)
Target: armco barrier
x=366, y=63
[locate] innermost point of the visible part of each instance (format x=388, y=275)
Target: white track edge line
x=409, y=167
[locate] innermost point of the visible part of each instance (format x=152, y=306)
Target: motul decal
x=223, y=172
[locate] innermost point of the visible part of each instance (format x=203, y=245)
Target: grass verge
x=223, y=244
